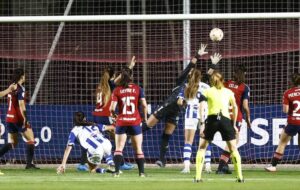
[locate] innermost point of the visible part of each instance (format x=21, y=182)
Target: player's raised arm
x=182, y=77
x=130, y=66
x=11, y=88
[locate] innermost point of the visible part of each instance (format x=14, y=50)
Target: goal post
x=268, y=44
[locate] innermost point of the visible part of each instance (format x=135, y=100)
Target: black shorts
x=224, y=125
x=169, y=113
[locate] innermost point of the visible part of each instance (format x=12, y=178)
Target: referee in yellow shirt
x=218, y=99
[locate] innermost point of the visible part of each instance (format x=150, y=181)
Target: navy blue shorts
x=292, y=130
x=129, y=130
x=103, y=120
x=15, y=128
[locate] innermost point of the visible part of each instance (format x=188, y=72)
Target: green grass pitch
x=157, y=179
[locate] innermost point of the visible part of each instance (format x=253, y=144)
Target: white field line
x=126, y=179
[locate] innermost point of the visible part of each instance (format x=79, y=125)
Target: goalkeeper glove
x=215, y=58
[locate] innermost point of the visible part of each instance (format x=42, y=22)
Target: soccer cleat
x=197, y=180
x=185, y=171
x=31, y=166
x=270, y=168
x=82, y=167
x=1, y=173
x=160, y=164
x=240, y=180
x=127, y=166
x=142, y=175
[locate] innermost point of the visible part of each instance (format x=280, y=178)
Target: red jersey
x=102, y=109
x=14, y=113
x=291, y=97
x=241, y=92
x=128, y=104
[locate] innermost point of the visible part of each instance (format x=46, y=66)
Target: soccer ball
x=95, y=156
x=216, y=34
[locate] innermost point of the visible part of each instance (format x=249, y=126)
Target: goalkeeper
x=169, y=110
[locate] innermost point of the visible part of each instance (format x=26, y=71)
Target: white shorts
x=191, y=123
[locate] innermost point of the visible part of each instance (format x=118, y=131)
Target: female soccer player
x=128, y=97
x=169, y=110
x=11, y=88
x=17, y=120
x=290, y=105
x=241, y=93
x=190, y=96
x=218, y=99
x=101, y=113
x=89, y=136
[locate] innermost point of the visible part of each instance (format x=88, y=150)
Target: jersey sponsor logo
x=233, y=86
x=128, y=119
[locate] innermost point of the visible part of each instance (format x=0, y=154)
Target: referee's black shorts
x=224, y=125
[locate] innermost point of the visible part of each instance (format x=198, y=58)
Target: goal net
x=74, y=54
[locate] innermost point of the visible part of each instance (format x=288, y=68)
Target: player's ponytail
x=103, y=87
x=18, y=73
x=217, y=80
x=193, y=84
x=80, y=120
x=126, y=77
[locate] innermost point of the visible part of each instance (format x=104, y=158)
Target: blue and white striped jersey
x=192, y=107
x=89, y=137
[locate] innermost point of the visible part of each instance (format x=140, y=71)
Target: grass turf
x=157, y=179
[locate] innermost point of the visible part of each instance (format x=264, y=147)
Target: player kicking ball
x=90, y=137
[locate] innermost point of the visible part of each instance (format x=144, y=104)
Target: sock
x=118, y=157
x=225, y=156
x=83, y=158
x=199, y=163
x=276, y=158
x=187, y=152
x=5, y=149
x=236, y=159
x=29, y=152
x=140, y=160
x=109, y=160
x=208, y=156
x=164, y=147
